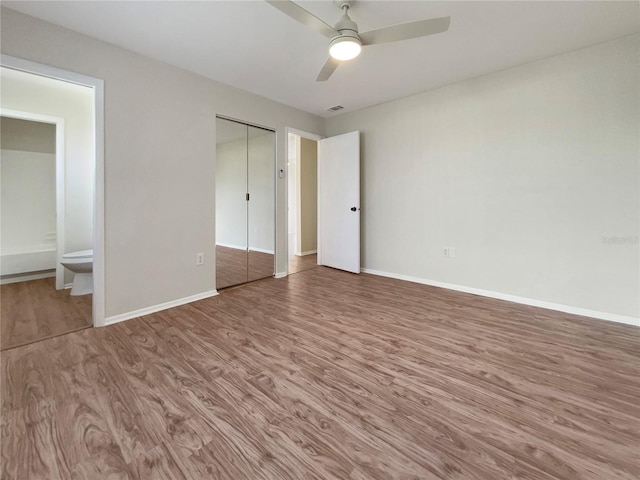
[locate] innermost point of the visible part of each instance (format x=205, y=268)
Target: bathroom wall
x=74, y=103
x=27, y=135
x=308, y=195
x=27, y=196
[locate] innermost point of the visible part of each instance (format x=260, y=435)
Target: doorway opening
x=52, y=201
x=337, y=219
x=302, y=201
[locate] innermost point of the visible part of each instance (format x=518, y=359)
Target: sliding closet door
x=245, y=203
x=231, y=203
x=261, y=205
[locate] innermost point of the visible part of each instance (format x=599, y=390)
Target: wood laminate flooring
x=328, y=375
x=35, y=310
x=235, y=266
x=302, y=263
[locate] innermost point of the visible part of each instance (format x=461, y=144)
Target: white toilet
x=81, y=264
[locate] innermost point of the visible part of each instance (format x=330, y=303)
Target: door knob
x=353, y=209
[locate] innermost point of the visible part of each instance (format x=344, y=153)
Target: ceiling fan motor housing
x=348, y=37
x=346, y=26
x=348, y=33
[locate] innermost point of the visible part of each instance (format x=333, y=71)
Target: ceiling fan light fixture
x=345, y=47
x=345, y=40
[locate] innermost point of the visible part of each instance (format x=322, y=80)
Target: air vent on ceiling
x=335, y=109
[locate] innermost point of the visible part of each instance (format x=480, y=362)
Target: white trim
x=309, y=252
x=281, y=274
x=60, y=202
x=99, y=302
x=98, y=214
x=60, y=183
x=157, y=308
x=612, y=317
x=46, y=70
x=298, y=190
x=319, y=226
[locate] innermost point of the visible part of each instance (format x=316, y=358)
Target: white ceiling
x=253, y=46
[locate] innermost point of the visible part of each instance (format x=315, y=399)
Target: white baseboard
x=611, y=317
x=310, y=252
x=156, y=308
x=280, y=274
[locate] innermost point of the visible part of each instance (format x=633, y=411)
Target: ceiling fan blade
x=298, y=13
x=406, y=31
x=328, y=69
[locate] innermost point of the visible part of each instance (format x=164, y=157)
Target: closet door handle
x=353, y=209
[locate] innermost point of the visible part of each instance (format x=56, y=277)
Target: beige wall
x=528, y=172
x=308, y=194
x=159, y=160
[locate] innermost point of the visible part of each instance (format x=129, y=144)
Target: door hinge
x=247, y=197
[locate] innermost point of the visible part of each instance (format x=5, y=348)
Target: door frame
x=60, y=198
x=15, y=63
x=308, y=136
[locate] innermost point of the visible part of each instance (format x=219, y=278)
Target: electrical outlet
x=200, y=258
x=445, y=251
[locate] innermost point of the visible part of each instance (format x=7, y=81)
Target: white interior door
x=339, y=202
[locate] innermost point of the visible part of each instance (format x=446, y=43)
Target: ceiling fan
x=346, y=42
